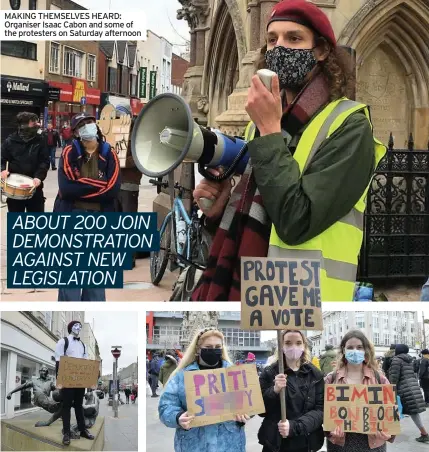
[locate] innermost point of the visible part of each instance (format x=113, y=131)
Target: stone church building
x=390, y=37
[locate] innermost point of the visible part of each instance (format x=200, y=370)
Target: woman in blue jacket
x=206, y=351
x=88, y=181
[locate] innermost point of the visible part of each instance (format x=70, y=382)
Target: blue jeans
x=76, y=294
x=425, y=292
x=52, y=151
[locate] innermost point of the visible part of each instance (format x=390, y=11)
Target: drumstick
x=7, y=166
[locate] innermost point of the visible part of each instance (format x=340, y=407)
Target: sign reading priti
x=280, y=293
x=78, y=373
x=362, y=409
x=215, y=396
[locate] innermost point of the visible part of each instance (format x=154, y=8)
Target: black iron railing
x=396, y=228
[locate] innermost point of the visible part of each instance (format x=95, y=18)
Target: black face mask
x=27, y=133
x=211, y=356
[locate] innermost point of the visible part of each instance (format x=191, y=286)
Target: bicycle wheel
x=159, y=259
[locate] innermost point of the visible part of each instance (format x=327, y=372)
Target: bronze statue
x=42, y=388
x=91, y=407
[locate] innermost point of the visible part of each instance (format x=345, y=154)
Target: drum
x=18, y=186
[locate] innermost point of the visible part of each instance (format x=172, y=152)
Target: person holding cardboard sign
x=74, y=347
x=304, y=384
x=356, y=366
x=402, y=374
x=206, y=351
x=313, y=155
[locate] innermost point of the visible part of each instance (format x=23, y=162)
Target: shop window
x=19, y=49
x=91, y=68
x=72, y=62
x=54, y=58
x=133, y=85
x=26, y=369
x=32, y=4
x=112, y=80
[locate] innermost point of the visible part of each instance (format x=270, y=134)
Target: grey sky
x=115, y=328
x=159, y=13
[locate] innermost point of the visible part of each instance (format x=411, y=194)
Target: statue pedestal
x=23, y=435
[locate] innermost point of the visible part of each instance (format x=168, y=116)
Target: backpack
x=377, y=377
x=66, y=346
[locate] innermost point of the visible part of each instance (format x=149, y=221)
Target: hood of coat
x=170, y=361
x=329, y=354
x=405, y=357
x=389, y=353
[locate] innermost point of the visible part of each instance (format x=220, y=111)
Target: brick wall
x=102, y=71
x=178, y=68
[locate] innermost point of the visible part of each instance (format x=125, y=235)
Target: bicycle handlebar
x=177, y=186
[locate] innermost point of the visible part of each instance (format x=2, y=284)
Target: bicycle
x=181, y=237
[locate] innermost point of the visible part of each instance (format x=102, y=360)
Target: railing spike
x=411, y=142
x=391, y=142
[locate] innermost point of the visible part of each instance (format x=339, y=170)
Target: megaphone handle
x=206, y=203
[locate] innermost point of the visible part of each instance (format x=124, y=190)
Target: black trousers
x=73, y=396
x=35, y=204
x=426, y=393
x=129, y=200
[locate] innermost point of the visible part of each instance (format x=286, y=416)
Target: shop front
x=65, y=101
x=20, y=94
x=21, y=359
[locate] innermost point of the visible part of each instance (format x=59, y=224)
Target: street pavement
x=137, y=282
x=159, y=437
x=120, y=433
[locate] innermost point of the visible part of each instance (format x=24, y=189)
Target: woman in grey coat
x=402, y=375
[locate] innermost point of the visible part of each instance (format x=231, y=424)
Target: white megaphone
x=166, y=135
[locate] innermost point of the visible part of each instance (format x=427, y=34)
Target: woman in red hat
x=88, y=181
x=313, y=155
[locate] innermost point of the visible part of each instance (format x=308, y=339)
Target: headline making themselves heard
x=73, y=25
x=280, y=293
x=53, y=250
x=362, y=409
x=214, y=396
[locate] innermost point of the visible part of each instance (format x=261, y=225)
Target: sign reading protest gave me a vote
x=280, y=293
x=78, y=372
x=217, y=395
x=362, y=409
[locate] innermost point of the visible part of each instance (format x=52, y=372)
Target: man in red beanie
x=313, y=155
x=71, y=345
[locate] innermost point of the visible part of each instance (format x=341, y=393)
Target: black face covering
x=27, y=133
x=211, y=356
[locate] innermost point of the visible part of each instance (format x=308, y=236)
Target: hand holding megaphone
x=212, y=196
x=266, y=76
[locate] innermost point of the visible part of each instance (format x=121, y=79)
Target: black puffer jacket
x=30, y=158
x=304, y=409
x=402, y=375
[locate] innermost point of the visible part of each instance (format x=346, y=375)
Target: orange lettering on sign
x=79, y=90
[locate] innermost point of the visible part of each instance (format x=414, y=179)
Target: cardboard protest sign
x=280, y=293
x=214, y=396
x=362, y=409
x=77, y=372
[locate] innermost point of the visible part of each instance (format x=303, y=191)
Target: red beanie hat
x=304, y=13
x=251, y=356
x=70, y=325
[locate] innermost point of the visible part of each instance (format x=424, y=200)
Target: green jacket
x=166, y=370
x=302, y=207
x=326, y=361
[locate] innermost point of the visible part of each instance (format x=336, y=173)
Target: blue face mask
x=88, y=132
x=355, y=356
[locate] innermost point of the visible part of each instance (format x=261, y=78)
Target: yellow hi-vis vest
x=337, y=247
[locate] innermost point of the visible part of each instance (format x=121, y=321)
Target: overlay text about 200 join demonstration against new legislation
x=76, y=250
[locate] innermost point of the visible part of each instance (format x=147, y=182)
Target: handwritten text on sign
x=280, y=293
x=78, y=373
x=214, y=396
x=362, y=409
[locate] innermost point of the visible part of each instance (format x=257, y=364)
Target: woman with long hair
x=356, y=365
x=88, y=181
x=402, y=375
x=313, y=155
x=302, y=431
x=206, y=351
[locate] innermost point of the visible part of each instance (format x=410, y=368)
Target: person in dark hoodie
x=167, y=368
x=328, y=360
x=402, y=375
x=88, y=181
x=388, y=360
x=424, y=374
x=53, y=141
x=302, y=430
x=25, y=152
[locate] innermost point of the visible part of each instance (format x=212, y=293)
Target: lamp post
x=116, y=352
